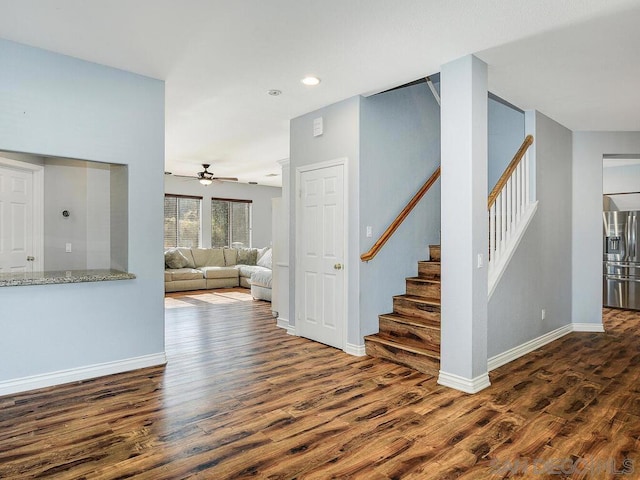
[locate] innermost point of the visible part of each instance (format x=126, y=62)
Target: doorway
x=21, y=216
x=320, y=253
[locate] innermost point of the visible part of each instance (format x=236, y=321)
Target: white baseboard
x=467, y=385
x=357, y=350
x=527, y=347
x=60, y=377
x=588, y=327
x=284, y=323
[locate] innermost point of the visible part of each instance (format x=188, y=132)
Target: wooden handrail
x=507, y=173
x=365, y=257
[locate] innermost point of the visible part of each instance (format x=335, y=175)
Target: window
x=181, y=221
x=230, y=222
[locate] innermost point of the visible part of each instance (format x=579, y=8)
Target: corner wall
x=56, y=105
x=588, y=150
x=539, y=274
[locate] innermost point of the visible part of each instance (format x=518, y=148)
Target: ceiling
x=576, y=61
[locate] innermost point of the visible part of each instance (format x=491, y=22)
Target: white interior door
x=16, y=220
x=321, y=290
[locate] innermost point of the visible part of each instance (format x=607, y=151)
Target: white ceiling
x=577, y=61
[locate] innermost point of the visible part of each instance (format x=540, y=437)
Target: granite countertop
x=57, y=277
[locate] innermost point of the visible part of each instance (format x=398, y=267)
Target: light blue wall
x=506, y=133
x=52, y=104
x=539, y=274
x=339, y=140
x=399, y=150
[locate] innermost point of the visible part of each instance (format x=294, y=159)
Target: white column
x=465, y=229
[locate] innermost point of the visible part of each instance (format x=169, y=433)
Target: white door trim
x=38, y=206
x=343, y=161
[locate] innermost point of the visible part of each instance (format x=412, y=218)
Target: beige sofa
x=205, y=268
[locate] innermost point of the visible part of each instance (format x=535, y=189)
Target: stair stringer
x=496, y=270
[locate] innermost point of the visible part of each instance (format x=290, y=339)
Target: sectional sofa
x=206, y=268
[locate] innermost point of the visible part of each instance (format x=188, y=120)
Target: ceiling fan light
x=206, y=181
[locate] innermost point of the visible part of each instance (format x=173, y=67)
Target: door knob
x=30, y=259
x=338, y=266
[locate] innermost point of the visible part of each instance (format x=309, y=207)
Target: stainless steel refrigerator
x=621, y=256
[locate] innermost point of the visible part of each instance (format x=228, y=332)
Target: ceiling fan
x=207, y=178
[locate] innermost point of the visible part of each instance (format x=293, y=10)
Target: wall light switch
x=369, y=231
x=318, y=128
x=67, y=248
x=480, y=260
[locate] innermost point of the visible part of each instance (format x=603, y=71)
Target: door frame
x=342, y=161
x=37, y=172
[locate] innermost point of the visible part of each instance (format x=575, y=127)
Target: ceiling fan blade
x=183, y=176
x=228, y=179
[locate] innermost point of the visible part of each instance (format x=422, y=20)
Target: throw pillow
x=175, y=259
x=266, y=260
x=187, y=254
x=247, y=256
x=262, y=251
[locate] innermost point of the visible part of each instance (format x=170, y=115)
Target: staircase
x=411, y=334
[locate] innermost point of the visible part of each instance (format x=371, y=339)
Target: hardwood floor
x=240, y=398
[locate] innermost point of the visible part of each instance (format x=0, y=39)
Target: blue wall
x=399, y=150
x=52, y=104
x=506, y=133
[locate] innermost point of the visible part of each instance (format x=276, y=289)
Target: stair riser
x=421, y=337
x=429, y=271
x=422, y=363
x=406, y=307
x=434, y=253
x=420, y=289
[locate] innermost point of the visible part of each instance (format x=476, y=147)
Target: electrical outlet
x=544, y=313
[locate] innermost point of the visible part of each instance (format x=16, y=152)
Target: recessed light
x=311, y=80
x=274, y=92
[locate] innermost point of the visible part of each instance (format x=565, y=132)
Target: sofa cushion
x=174, y=258
x=216, y=259
x=247, y=270
x=219, y=272
x=168, y=276
x=262, y=278
x=247, y=256
x=186, y=274
x=208, y=257
x=187, y=254
x=266, y=259
x=230, y=256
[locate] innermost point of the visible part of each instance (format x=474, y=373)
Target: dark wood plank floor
x=240, y=398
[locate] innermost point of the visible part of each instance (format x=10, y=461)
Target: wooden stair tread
x=411, y=320
x=385, y=340
x=422, y=280
x=425, y=300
